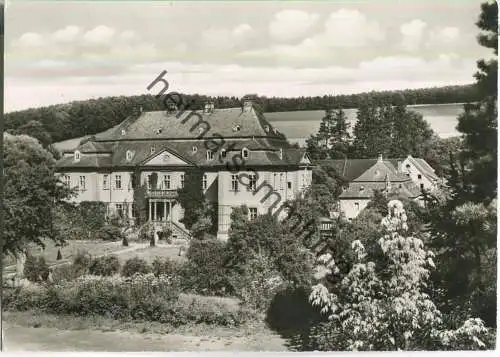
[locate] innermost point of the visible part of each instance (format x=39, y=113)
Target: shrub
x=135, y=265
x=64, y=272
x=146, y=231
x=109, y=233
x=27, y=297
x=36, y=269
x=81, y=262
x=205, y=273
x=166, y=267
x=105, y=266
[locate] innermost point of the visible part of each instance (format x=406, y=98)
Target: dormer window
x=195, y=149
x=158, y=131
x=77, y=155
x=152, y=149
x=361, y=189
x=128, y=155
x=210, y=155
x=244, y=153
x=237, y=128
x=124, y=132
x=267, y=128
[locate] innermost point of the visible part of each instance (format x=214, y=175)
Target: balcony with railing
x=155, y=193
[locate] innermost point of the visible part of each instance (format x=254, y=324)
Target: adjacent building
x=243, y=160
x=400, y=177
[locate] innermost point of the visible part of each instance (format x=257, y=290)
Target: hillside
x=61, y=122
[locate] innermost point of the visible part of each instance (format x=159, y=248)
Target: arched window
x=77, y=155
x=223, y=153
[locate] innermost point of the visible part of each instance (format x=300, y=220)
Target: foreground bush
x=141, y=297
x=105, y=266
x=135, y=266
x=36, y=269
x=205, y=271
x=166, y=267
x=110, y=233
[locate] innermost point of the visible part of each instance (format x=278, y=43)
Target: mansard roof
x=228, y=123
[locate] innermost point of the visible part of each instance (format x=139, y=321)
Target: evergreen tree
x=332, y=139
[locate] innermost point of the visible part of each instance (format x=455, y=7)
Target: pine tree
x=332, y=139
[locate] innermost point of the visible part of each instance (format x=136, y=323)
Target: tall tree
x=332, y=139
x=32, y=193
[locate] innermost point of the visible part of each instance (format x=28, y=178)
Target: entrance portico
x=160, y=210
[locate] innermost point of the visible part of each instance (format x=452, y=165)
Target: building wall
x=273, y=188
x=351, y=208
x=409, y=168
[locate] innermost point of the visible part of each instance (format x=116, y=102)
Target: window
x=119, y=210
x=83, y=181
x=234, y=183
x=252, y=212
x=419, y=176
x=67, y=180
x=223, y=153
x=356, y=205
x=118, y=182
x=105, y=182
x=195, y=149
x=289, y=185
x=204, y=182
x=421, y=186
x=182, y=180
x=152, y=150
x=150, y=181
x=166, y=182
x=77, y=155
x=210, y=155
x=252, y=182
x=133, y=210
x=282, y=182
x=129, y=155
x=244, y=153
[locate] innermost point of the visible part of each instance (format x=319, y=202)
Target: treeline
x=65, y=121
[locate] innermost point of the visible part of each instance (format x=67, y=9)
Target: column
x=150, y=209
x=170, y=210
x=164, y=210
x=154, y=211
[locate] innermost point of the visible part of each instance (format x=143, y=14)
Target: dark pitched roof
x=381, y=171
x=366, y=190
x=228, y=123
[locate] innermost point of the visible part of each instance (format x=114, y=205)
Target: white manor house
x=221, y=143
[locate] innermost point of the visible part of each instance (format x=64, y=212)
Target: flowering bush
x=373, y=308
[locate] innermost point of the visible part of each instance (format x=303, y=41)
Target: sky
x=60, y=51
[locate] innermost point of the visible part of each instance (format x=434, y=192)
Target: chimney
x=380, y=158
x=248, y=102
x=400, y=166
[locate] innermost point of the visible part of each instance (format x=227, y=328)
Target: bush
x=135, y=265
x=105, y=266
x=109, y=233
x=146, y=231
x=36, y=269
x=143, y=297
x=205, y=271
x=81, y=262
x=166, y=267
x=64, y=272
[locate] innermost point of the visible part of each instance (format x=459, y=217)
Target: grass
x=150, y=253
x=69, y=251
x=30, y=330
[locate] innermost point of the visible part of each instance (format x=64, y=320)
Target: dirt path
x=20, y=338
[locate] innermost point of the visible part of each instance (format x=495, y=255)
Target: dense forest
x=65, y=121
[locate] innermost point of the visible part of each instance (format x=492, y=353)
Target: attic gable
x=166, y=157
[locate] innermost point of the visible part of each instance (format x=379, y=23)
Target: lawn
x=170, y=251
x=69, y=251
x=36, y=331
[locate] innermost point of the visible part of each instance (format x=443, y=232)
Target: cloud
x=67, y=34
x=30, y=39
x=291, y=24
x=445, y=36
x=348, y=30
x=215, y=39
x=100, y=35
x=413, y=33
